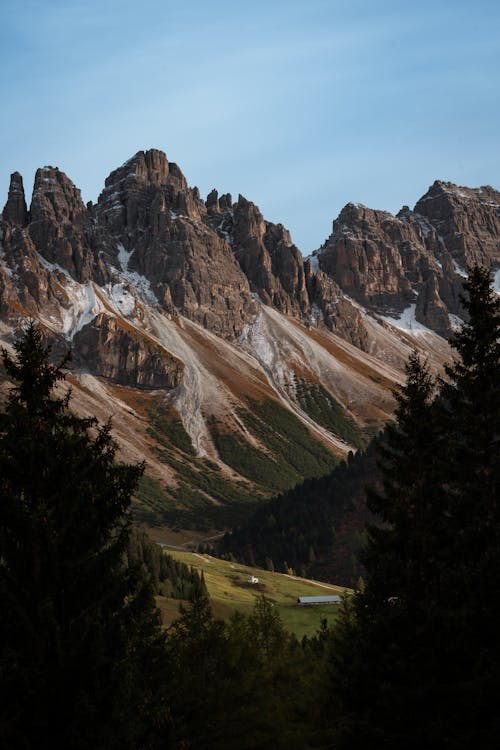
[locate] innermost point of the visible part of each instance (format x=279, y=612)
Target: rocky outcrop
x=430, y=308
x=331, y=307
x=146, y=193
x=106, y=347
x=149, y=211
x=466, y=219
x=29, y=285
x=61, y=227
x=363, y=255
x=387, y=263
x=16, y=210
x=265, y=252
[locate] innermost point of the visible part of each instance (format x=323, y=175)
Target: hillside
x=230, y=591
x=315, y=529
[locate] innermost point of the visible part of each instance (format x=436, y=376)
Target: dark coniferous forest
x=413, y=660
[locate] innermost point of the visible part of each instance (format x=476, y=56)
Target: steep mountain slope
x=316, y=529
x=233, y=365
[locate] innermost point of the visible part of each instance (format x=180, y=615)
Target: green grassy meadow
x=229, y=590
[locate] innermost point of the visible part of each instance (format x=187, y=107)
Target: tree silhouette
x=81, y=647
x=416, y=660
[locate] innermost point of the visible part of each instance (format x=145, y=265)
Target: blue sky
x=301, y=106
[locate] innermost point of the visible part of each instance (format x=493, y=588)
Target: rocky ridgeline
x=387, y=263
x=212, y=260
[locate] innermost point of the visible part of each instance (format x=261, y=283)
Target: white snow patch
x=496, y=282
x=123, y=256
x=142, y=287
x=133, y=279
x=121, y=297
x=455, y=321
x=316, y=316
x=424, y=224
x=407, y=321
x=53, y=267
x=83, y=311
x=460, y=270
x=222, y=231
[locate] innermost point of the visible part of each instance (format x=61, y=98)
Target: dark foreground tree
x=416, y=660
x=82, y=653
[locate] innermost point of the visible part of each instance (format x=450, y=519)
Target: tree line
x=315, y=530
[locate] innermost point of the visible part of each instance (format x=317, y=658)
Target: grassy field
x=230, y=590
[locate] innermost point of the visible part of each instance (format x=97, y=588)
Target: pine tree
x=416, y=657
x=470, y=407
x=375, y=675
x=82, y=653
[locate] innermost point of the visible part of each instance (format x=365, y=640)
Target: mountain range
x=235, y=366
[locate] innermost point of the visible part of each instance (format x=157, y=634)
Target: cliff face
x=108, y=348
x=148, y=211
x=389, y=263
x=272, y=263
x=61, y=228
x=466, y=220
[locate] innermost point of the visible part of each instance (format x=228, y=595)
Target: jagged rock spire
x=16, y=210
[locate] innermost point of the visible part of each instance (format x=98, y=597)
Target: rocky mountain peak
x=362, y=257
x=59, y=223
x=212, y=202
x=16, y=210
x=145, y=167
x=248, y=221
x=145, y=185
x=466, y=219
x=55, y=197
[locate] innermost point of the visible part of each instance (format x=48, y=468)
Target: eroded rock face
x=107, y=348
x=331, y=307
x=467, y=220
x=148, y=209
x=387, y=263
x=29, y=287
x=364, y=256
x=16, y=210
x=61, y=226
x=272, y=263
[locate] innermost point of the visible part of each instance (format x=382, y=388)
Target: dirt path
x=202, y=557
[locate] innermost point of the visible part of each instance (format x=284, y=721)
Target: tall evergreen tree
x=470, y=414
x=416, y=658
x=375, y=673
x=82, y=653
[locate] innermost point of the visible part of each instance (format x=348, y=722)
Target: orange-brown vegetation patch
x=254, y=384
x=304, y=373
x=357, y=365
x=16, y=306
